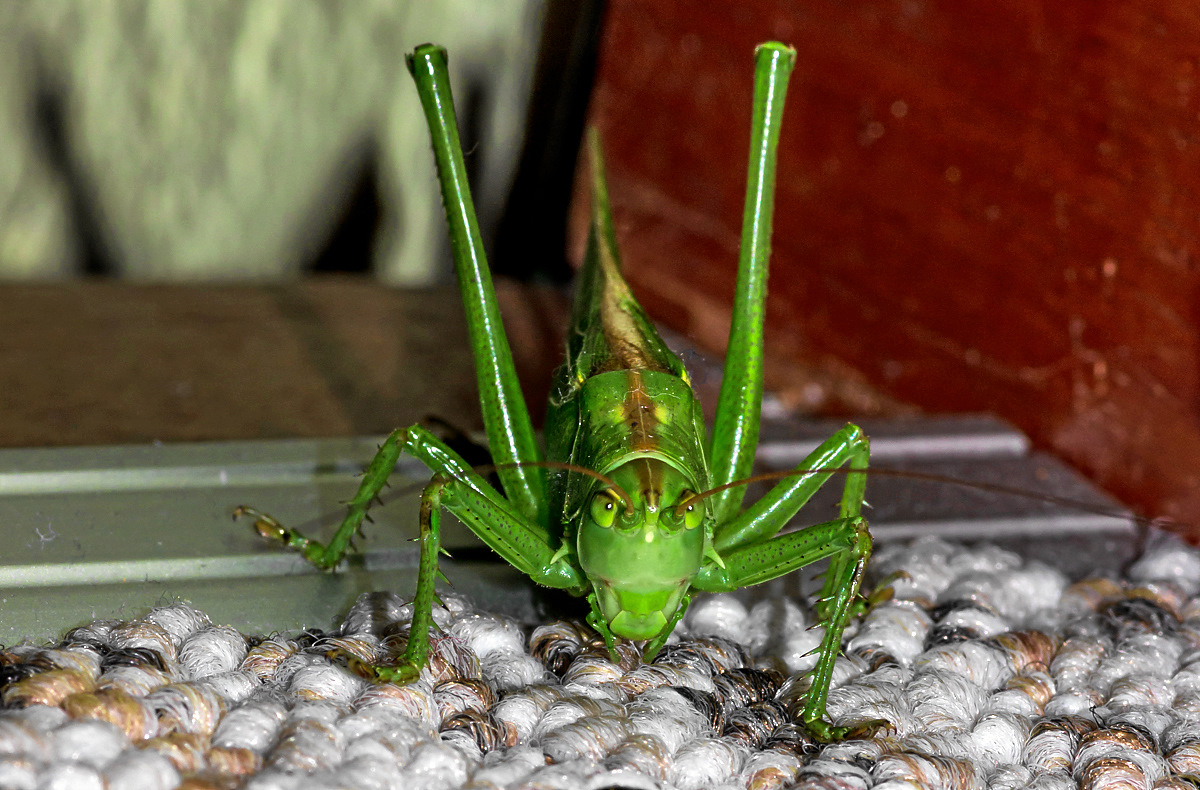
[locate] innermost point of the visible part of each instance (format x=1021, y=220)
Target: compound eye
x=604, y=509
x=693, y=513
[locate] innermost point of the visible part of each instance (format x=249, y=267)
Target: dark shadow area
x=350, y=244
x=49, y=127
x=531, y=238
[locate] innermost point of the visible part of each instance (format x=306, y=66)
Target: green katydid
x=632, y=505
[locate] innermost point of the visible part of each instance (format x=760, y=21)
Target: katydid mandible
x=632, y=505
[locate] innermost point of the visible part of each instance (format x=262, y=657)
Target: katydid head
x=640, y=545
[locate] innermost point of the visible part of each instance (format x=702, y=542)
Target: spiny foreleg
x=416, y=653
x=326, y=556
x=839, y=602
x=847, y=543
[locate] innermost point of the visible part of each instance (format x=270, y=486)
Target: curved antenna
x=1161, y=522
x=265, y=521
x=583, y=470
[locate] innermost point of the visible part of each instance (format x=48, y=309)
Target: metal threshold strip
x=109, y=531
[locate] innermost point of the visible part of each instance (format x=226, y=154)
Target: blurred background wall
x=185, y=140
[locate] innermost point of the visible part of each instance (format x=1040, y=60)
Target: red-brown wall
x=980, y=206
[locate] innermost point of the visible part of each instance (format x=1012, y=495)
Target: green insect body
x=633, y=505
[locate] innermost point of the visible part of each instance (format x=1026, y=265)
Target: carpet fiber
x=990, y=671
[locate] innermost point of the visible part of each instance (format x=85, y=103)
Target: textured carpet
x=992, y=672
